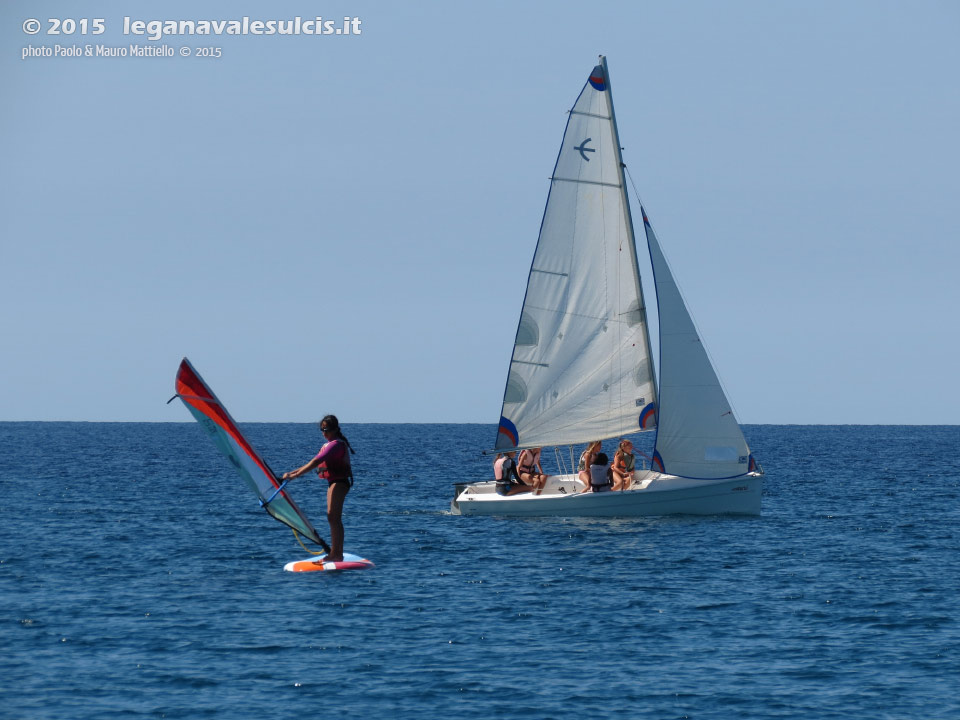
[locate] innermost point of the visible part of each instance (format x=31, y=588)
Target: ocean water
x=139, y=578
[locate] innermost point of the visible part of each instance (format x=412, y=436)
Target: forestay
x=216, y=421
x=580, y=368
x=698, y=435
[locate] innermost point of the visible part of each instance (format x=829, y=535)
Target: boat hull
x=656, y=495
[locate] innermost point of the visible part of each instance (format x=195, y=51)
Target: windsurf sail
x=222, y=429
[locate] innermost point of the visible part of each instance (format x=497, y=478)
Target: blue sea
x=139, y=578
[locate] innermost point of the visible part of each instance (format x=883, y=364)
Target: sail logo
x=508, y=432
x=207, y=424
x=648, y=417
x=656, y=463
x=597, y=81
x=583, y=149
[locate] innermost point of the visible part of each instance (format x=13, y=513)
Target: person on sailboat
x=601, y=476
x=586, y=460
x=333, y=465
x=506, y=475
x=531, y=471
x=623, y=465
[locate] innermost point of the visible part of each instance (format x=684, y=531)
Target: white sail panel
x=698, y=435
x=580, y=368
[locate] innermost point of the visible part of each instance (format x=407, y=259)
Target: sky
x=344, y=223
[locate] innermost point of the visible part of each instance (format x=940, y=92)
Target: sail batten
x=586, y=182
x=587, y=114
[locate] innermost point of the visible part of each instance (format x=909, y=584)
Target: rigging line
x=297, y=536
x=633, y=184
x=622, y=230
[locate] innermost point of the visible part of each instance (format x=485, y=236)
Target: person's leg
x=541, y=483
x=617, y=479
x=336, y=494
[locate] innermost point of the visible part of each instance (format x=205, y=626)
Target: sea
x=139, y=578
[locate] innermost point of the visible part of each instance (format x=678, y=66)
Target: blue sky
x=345, y=224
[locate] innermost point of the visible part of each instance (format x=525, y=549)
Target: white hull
x=651, y=494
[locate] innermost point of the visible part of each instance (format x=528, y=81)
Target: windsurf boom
x=216, y=421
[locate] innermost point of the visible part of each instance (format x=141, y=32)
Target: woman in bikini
x=531, y=472
x=333, y=465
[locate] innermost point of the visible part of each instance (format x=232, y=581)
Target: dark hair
x=601, y=459
x=334, y=426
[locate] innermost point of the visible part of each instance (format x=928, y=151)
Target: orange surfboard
x=349, y=562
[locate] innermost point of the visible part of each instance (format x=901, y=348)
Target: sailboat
x=581, y=368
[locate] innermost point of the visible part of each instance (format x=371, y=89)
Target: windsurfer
x=333, y=465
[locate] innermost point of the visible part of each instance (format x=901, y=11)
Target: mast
x=628, y=219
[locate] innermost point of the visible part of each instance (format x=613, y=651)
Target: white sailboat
x=581, y=368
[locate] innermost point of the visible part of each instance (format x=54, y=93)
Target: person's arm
x=305, y=469
x=320, y=458
x=618, y=469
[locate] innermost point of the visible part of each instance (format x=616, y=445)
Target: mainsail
x=581, y=368
x=216, y=421
x=698, y=435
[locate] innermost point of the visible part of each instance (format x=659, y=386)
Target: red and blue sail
x=222, y=429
